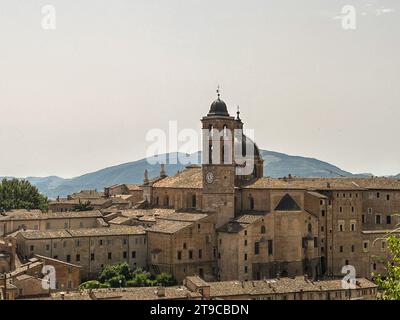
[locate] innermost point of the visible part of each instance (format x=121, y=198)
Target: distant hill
x=275, y=165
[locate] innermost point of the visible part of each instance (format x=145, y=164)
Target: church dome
x=218, y=108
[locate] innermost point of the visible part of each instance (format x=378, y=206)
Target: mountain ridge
x=276, y=165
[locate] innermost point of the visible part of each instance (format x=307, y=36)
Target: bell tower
x=218, y=166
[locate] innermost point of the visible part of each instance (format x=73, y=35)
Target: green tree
x=165, y=279
x=390, y=284
x=20, y=194
x=86, y=206
x=117, y=270
x=93, y=284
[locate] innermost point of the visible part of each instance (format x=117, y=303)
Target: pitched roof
x=190, y=178
x=70, y=233
x=287, y=203
x=319, y=183
x=169, y=226
x=39, y=215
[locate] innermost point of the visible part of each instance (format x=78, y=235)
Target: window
x=124, y=255
x=365, y=246
x=184, y=245
x=190, y=254
x=321, y=202
x=347, y=262
x=388, y=219
x=101, y=242
x=341, y=249
x=133, y=254
x=245, y=257
x=352, y=248
x=166, y=201
x=340, y=209
x=78, y=258
x=92, y=257
x=78, y=243
x=256, y=248
x=251, y=203
x=68, y=258
x=194, y=201
x=125, y=241
x=47, y=247
x=352, y=209
x=270, y=247
x=66, y=225
x=323, y=213
x=322, y=228
x=370, y=210
x=309, y=227
x=263, y=229
x=383, y=245
x=374, y=266
x=353, y=226
x=363, y=218
x=378, y=195
x=245, y=269
x=378, y=219
x=341, y=226
x=200, y=253
x=179, y=255
x=387, y=197
x=109, y=256
x=245, y=232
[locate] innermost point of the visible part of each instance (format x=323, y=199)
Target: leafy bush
x=93, y=284
x=165, y=279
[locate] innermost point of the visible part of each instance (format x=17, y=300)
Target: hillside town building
x=218, y=224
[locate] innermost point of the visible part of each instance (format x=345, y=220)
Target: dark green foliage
x=165, y=279
x=120, y=275
x=86, y=206
x=93, y=284
x=20, y=194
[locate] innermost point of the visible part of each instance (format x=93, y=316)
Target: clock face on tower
x=210, y=177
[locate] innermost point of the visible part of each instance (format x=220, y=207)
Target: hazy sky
x=83, y=96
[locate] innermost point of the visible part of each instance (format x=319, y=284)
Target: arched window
x=166, y=201
x=263, y=230
x=210, y=154
x=223, y=154
x=251, y=203
x=309, y=227
x=225, y=130
x=194, y=201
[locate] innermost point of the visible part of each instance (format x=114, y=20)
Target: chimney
x=161, y=292
x=146, y=177
x=162, y=170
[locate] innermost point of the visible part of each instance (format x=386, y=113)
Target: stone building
x=92, y=249
x=222, y=222
x=288, y=226
x=195, y=288
x=36, y=220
